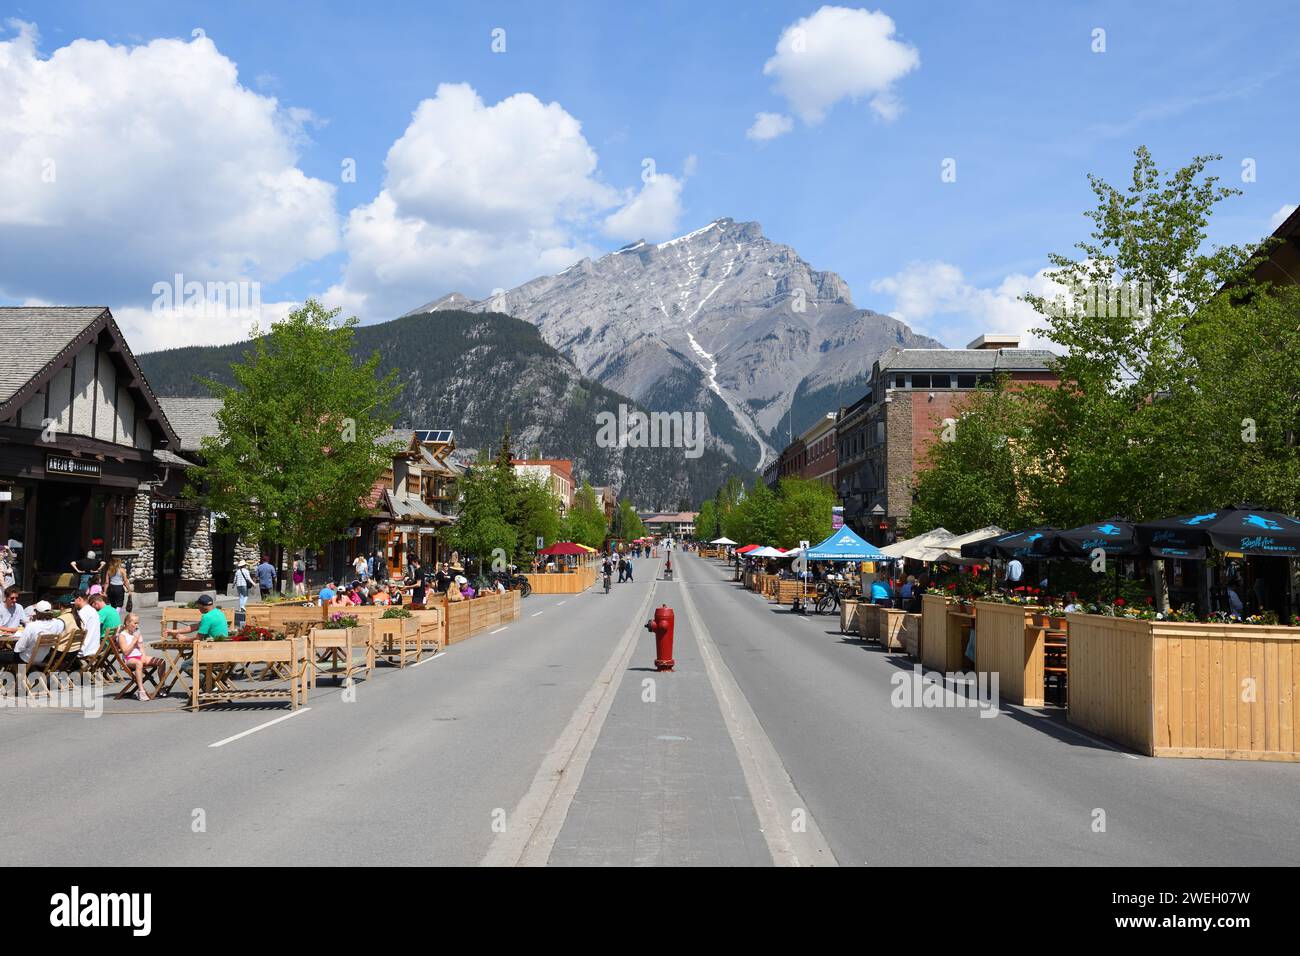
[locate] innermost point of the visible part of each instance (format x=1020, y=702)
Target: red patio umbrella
x=564, y=547
x=748, y=548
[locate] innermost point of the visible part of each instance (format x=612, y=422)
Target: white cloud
x=121, y=166
x=769, y=126
x=840, y=53
x=478, y=197
x=1281, y=215
x=935, y=299
x=652, y=214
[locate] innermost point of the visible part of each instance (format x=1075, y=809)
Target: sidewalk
x=663, y=786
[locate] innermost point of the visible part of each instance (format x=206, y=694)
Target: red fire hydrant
x=662, y=628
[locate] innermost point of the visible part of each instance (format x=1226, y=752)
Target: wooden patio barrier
x=1170, y=689
x=786, y=591
x=868, y=621
x=942, y=637
x=889, y=628
x=292, y=652
x=848, y=617
x=1009, y=643
x=467, y=618
x=910, y=635
x=568, y=582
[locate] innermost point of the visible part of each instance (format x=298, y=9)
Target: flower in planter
x=339, y=622
x=396, y=612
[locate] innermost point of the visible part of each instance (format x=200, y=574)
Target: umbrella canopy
x=951, y=552
x=915, y=547
x=1033, y=543
x=723, y=541
x=564, y=547
x=766, y=553
x=1114, y=536
x=844, y=545
x=747, y=548
x=1244, y=529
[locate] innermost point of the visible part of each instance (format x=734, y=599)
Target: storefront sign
x=58, y=465
x=173, y=504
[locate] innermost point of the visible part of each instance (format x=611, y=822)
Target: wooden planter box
x=889, y=628
x=942, y=635
x=336, y=646
x=849, y=617
x=1008, y=643
x=787, y=591
x=574, y=582
x=1168, y=689
x=292, y=653
x=869, y=621
x=395, y=638
x=910, y=634
x=467, y=618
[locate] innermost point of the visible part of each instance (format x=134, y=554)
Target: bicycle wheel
x=526, y=589
x=823, y=603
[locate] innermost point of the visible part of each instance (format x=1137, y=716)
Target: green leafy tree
x=756, y=518
x=536, y=514
x=978, y=477
x=706, y=522
x=301, y=429
x=585, y=523
x=482, y=525
x=804, y=511
x=628, y=523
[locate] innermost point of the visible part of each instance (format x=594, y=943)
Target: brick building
x=883, y=438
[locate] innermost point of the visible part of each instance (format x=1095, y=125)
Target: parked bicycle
x=514, y=582
x=829, y=598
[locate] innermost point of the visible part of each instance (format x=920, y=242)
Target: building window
x=900, y=381
x=966, y=381
x=123, y=521
x=941, y=381
x=920, y=381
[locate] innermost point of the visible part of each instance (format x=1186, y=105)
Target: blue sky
x=1013, y=92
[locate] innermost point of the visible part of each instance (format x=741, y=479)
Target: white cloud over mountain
x=121, y=166
x=482, y=196
x=835, y=54
x=935, y=298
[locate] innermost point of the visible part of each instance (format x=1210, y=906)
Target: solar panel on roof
x=434, y=435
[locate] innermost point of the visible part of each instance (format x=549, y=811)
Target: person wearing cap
x=43, y=621
x=211, y=624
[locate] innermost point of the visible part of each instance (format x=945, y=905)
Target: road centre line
x=253, y=730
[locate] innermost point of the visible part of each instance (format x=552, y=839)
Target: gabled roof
x=40, y=340
x=193, y=418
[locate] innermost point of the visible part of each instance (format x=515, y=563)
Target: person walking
x=299, y=579
x=119, y=584
x=243, y=583
x=629, y=570
x=622, y=569
x=361, y=567
x=381, y=568
x=266, y=577
x=7, y=575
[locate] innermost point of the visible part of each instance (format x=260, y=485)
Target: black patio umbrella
x=1034, y=543
x=1241, y=528
x=1115, y=536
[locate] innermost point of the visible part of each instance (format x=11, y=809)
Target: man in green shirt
x=211, y=624
x=108, y=616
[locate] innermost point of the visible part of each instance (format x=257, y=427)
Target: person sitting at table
x=326, y=594
x=340, y=599
x=42, y=621
x=131, y=641
x=380, y=598
x=211, y=623
x=466, y=589
x=880, y=592
x=12, y=615
x=88, y=619
x=453, y=591
x=108, y=616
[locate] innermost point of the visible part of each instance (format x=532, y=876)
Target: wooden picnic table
x=175, y=652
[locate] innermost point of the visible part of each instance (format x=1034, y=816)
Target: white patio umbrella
x=723, y=541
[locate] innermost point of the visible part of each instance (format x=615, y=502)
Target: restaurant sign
x=60, y=465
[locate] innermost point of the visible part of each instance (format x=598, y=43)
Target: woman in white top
x=131, y=642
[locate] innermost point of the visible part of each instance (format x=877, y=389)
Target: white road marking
x=558, y=603
x=536, y=613
x=435, y=657
x=770, y=788
x=539, y=817
x=499, y=629
x=253, y=730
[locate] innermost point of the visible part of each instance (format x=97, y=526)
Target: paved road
x=918, y=786
x=774, y=741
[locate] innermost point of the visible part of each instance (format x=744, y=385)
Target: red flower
x=1151, y=600
x=1120, y=602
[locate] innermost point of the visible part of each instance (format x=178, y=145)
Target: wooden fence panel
x=1007, y=642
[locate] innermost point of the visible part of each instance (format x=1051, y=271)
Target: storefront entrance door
x=169, y=551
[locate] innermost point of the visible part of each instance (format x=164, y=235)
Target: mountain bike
x=608, y=577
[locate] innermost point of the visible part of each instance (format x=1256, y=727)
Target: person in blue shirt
x=266, y=575
x=327, y=594
x=880, y=592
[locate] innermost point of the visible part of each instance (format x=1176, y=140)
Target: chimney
x=994, y=341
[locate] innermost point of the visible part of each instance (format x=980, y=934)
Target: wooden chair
x=37, y=677
x=101, y=665
x=152, y=673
